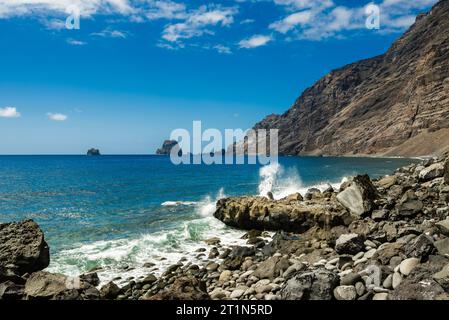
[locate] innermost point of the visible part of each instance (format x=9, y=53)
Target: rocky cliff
x=393, y=104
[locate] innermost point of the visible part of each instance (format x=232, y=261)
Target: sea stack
x=93, y=152
x=167, y=146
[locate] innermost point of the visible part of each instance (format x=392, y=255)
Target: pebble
x=358, y=256
x=381, y=296
x=345, y=293
x=408, y=265
x=237, y=293
x=360, y=288
x=369, y=254
x=388, y=282
x=397, y=279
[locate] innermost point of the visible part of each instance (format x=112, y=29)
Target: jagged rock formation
x=167, y=146
x=93, y=152
x=393, y=104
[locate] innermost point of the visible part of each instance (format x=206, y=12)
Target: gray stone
x=351, y=243
x=345, y=293
x=359, y=197
x=381, y=296
x=433, y=171
x=388, y=282
x=442, y=246
x=443, y=227
x=310, y=285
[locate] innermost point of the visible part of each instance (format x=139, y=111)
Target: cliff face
x=393, y=104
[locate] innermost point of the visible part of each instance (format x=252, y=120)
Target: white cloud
x=291, y=21
x=197, y=23
x=165, y=9
x=247, y=21
x=57, y=116
x=110, y=33
x=9, y=112
x=74, y=42
x=255, y=41
x=223, y=49
x=319, y=20
x=10, y=8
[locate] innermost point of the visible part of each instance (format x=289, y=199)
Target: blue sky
x=137, y=69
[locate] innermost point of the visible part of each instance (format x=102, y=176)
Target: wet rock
x=359, y=197
x=351, y=243
x=212, y=241
x=263, y=214
x=23, y=247
x=310, y=285
x=149, y=279
x=312, y=193
x=109, y=291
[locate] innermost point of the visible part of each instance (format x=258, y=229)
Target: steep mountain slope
x=393, y=104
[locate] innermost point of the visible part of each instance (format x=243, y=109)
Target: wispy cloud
x=74, y=42
x=255, y=41
x=223, y=49
x=57, y=116
x=198, y=23
x=9, y=112
x=111, y=33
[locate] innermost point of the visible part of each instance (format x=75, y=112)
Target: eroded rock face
x=343, y=112
x=22, y=247
x=264, y=214
x=359, y=197
x=167, y=147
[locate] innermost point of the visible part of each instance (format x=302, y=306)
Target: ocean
x=117, y=213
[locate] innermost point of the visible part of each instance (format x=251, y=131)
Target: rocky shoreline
x=386, y=239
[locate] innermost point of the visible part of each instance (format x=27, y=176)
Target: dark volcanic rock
x=93, y=152
x=167, y=147
x=311, y=285
x=22, y=247
x=184, y=288
x=395, y=103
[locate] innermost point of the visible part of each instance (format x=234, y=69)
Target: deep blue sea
x=119, y=212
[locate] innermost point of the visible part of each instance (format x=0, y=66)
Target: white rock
x=381, y=296
x=345, y=293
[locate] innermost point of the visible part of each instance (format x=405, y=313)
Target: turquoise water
x=117, y=211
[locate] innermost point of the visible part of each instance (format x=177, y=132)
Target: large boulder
x=46, y=285
x=359, y=197
x=23, y=247
x=311, y=285
x=431, y=172
x=351, y=243
x=271, y=268
x=184, y=288
x=261, y=213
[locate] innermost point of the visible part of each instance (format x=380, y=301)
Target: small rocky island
x=383, y=239
x=167, y=147
x=93, y=152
